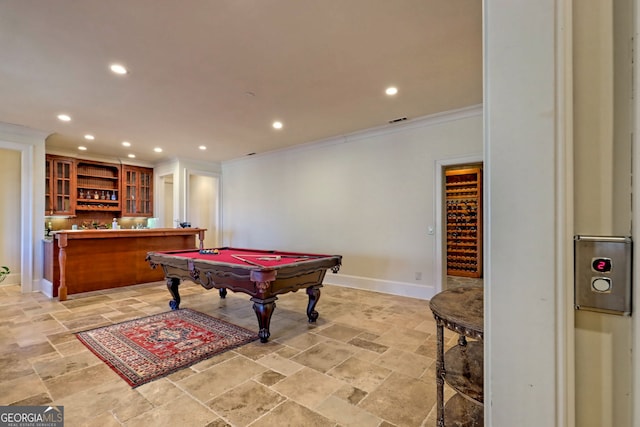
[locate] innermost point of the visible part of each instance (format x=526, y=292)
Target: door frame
x=31, y=145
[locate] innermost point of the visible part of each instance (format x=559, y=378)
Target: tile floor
x=368, y=361
x=456, y=281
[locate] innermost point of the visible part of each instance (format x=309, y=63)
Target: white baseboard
x=46, y=287
x=404, y=289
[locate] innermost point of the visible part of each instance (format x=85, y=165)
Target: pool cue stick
x=247, y=261
x=301, y=256
x=266, y=257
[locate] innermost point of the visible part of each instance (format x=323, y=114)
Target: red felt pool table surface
x=248, y=257
x=262, y=274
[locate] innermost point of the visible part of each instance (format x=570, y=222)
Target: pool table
x=263, y=274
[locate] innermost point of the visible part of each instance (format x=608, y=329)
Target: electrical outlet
x=418, y=275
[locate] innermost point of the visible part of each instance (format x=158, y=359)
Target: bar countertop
x=124, y=232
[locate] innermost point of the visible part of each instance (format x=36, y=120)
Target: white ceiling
x=219, y=72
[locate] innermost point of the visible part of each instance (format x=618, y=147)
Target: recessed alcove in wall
x=440, y=213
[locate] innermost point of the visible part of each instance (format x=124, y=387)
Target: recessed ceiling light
x=64, y=117
x=391, y=90
x=89, y=137
x=277, y=125
x=158, y=150
x=118, y=69
x=82, y=148
x=126, y=144
x=202, y=147
x=131, y=156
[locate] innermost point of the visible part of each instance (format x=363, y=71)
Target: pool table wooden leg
x=172, y=285
x=264, y=311
x=314, y=296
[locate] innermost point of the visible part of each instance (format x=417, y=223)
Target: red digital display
x=601, y=265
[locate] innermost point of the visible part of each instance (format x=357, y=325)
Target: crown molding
x=425, y=121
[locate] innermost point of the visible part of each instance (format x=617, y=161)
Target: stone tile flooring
x=457, y=281
x=368, y=361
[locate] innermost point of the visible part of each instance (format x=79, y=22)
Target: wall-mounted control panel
x=602, y=274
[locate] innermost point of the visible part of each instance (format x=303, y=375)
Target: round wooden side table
x=460, y=310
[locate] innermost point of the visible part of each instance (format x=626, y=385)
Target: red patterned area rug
x=152, y=347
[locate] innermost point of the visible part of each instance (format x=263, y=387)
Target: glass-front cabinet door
x=138, y=191
x=59, y=193
x=48, y=187
x=130, y=191
x=144, y=193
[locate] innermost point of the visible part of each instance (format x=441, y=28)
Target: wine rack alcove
x=463, y=195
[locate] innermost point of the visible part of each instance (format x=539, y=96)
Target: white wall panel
x=525, y=177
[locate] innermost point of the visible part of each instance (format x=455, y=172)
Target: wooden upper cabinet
x=60, y=184
x=77, y=186
x=98, y=186
x=137, y=191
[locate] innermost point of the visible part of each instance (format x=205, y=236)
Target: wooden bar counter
x=88, y=260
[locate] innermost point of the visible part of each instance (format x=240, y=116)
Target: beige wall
x=167, y=204
x=602, y=183
x=10, y=214
x=203, y=206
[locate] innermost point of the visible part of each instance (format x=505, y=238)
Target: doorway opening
x=446, y=224
x=203, y=194
x=462, y=210
x=166, y=214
